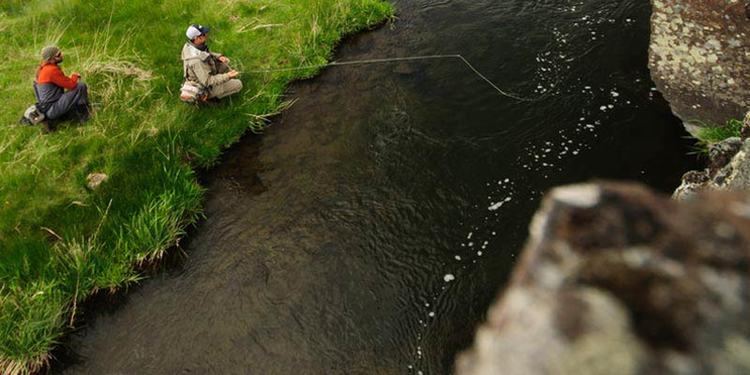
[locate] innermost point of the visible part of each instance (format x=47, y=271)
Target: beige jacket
x=202, y=67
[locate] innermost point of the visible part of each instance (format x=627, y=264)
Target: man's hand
x=76, y=74
x=233, y=73
x=224, y=59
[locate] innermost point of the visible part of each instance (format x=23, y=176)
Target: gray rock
x=698, y=59
x=729, y=169
x=721, y=153
x=94, y=180
x=745, y=131
x=693, y=182
x=736, y=175
x=618, y=280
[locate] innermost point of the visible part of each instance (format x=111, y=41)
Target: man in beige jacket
x=205, y=71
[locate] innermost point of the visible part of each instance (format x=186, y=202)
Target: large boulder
x=699, y=58
x=618, y=280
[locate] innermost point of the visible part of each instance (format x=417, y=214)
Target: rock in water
x=698, y=59
x=618, y=280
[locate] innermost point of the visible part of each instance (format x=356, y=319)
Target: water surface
x=372, y=225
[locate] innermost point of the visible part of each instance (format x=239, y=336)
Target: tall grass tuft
x=60, y=241
x=714, y=134
x=719, y=133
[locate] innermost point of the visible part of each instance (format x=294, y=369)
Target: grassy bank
x=61, y=241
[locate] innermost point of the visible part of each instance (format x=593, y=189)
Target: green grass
x=709, y=135
x=716, y=134
x=59, y=241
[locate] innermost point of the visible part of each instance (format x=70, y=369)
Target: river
x=370, y=227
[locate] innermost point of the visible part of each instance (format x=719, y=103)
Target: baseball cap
x=195, y=31
x=49, y=52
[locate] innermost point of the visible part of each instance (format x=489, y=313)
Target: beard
x=59, y=60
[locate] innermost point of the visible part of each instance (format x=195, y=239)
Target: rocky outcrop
x=699, y=58
x=618, y=280
x=729, y=169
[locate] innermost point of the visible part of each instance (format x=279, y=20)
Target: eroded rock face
x=699, y=58
x=729, y=169
x=618, y=280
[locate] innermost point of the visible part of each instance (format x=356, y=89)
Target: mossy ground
x=60, y=241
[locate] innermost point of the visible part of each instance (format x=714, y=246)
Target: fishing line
x=409, y=58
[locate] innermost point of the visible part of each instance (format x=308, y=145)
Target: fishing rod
x=398, y=59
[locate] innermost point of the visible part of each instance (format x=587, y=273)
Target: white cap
x=195, y=31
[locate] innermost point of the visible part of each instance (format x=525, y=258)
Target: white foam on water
x=546, y=157
x=496, y=206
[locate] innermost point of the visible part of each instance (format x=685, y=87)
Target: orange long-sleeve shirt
x=51, y=73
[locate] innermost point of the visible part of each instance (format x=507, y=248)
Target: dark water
x=328, y=241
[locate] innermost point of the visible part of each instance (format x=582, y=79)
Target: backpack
x=32, y=116
x=191, y=92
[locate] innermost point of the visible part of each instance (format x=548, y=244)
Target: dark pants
x=70, y=103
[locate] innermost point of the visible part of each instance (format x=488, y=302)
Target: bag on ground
x=191, y=92
x=32, y=115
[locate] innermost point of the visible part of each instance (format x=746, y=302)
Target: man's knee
x=81, y=93
x=227, y=88
x=82, y=89
x=236, y=86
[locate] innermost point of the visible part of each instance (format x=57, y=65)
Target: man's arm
x=57, y=77
x=206, y=79
x=220, y=57
x=54, y=75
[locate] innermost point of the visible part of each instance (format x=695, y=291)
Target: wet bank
x=369, y=229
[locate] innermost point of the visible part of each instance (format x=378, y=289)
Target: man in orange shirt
x=50, y=85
